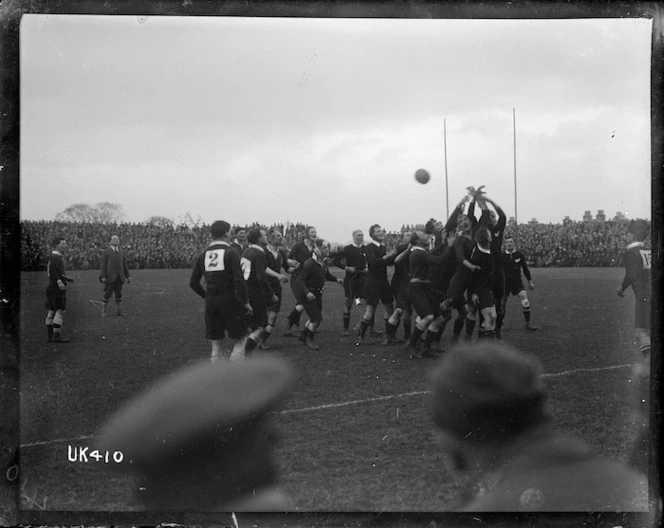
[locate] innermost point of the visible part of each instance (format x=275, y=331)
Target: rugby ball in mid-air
x=422, y=175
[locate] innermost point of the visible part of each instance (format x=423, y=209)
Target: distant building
x=620, y=217
x=587, y=216
x=601, y=217
x=567, y=220
x=533, y=221
x=511, y=222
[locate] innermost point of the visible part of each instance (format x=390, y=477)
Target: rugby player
x=310, y=288
x=480, y=287
x=259, y=289
x=56, y=291
x=513, y=262
x=226, y=300
x=240, y=240
x=300, y=252
x=425, y=304
x=277, y=261
x=399, y=285
x=638, y=265
x=352, y=258
x=496, y=226
x=378, y=287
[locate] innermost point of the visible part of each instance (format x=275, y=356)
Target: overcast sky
x=324, y=121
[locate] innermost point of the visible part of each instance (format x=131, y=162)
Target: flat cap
x=488, y=392
x=201, y=434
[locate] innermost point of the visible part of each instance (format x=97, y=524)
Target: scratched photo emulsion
x=334, y=264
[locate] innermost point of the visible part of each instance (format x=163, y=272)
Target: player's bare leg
x=643, y=341
x=57, y=325
x=365, y=322
x=487, y=331
x=525, y=304
x=216, y=353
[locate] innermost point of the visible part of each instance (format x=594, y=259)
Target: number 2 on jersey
x=214, y=260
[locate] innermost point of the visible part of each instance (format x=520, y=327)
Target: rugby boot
x=310, y=342
x=531, y=327
x=57, y=338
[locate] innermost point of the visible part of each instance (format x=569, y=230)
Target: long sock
x=431, y=336
x=364, y=325
x=415, y=336
x=526, y=314
x=267, y=333
x=346, y=320
x=390, y=329
x=407, y=322
x=470, y=327
x=250, y=345
x=458, y=327
x=500, y=317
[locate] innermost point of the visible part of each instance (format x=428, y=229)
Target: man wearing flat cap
x=489, y=405
x=200, y=439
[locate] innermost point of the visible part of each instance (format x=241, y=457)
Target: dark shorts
x=642, y=312
x=56, y=299
x=223, y=315
x=378, y=290
x=498, y=284
x=485, y=298
x=314, y=309
x=457, y=288
x=355, y=285
x=275, y=306
x=402, y=295
x=424, y=301
x=514, y=286
x=259, y=304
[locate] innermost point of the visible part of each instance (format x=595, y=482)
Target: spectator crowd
x=569, y=244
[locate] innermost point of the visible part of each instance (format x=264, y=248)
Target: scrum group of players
x=459, y=267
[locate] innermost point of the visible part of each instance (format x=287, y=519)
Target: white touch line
x=353, y=402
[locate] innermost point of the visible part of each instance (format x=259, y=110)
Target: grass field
x=355, y=432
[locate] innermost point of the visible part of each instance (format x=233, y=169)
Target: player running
x=226, y=301
x=638, y=265
x=513, y=262
x=310, y=287
x=56, y=291
x=399, y=285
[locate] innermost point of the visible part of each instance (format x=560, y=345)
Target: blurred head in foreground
x=489, y=408
x=200, y=438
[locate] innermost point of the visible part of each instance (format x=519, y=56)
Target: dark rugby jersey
x=497, y=233
x=254, y=263
x=481, y=279
x=352, y=256
x=401, y=273
x=220, y=266
x=376, y=264
x=421, y=262
x=638, y=265
x=463, y=248
x=55, y=268
x=313, y=277
x=276, y=264
x=513, y=263
x=300, y=252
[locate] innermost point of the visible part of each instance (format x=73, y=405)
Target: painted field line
x=348, y=403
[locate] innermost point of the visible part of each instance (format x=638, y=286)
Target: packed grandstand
x=568, y=244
